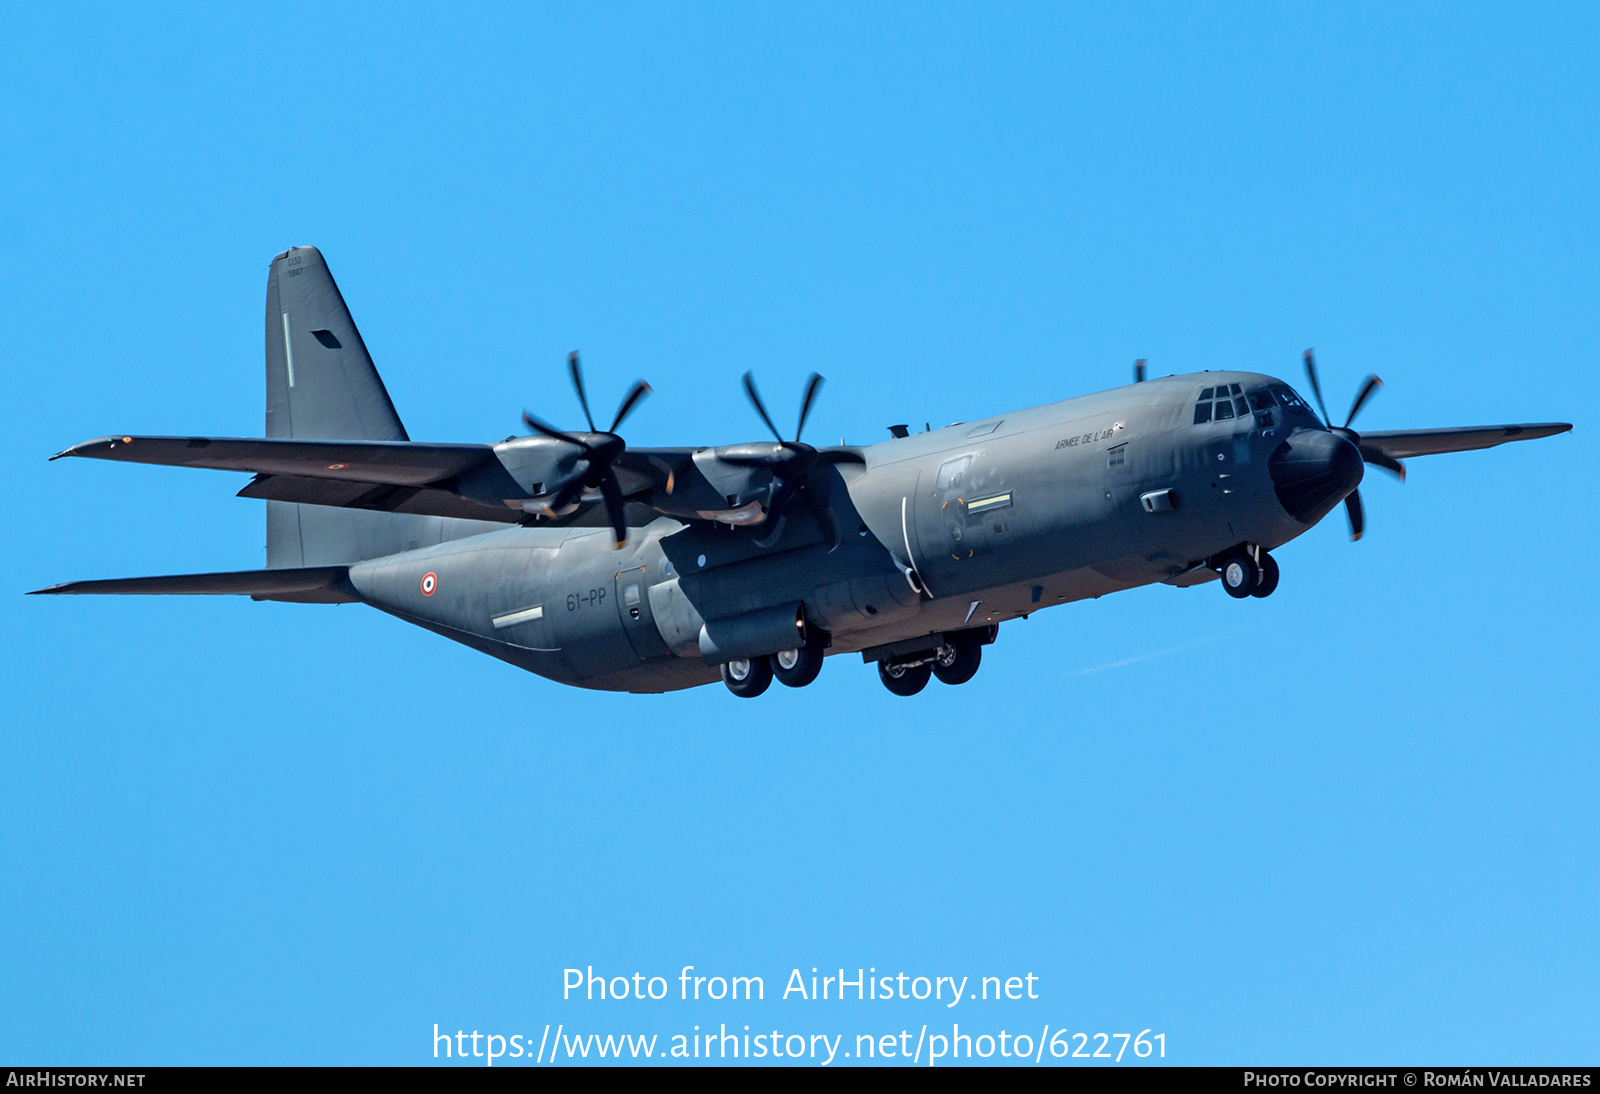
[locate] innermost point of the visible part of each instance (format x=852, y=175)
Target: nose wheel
x=1268, y=581
x=1239, y=576
x=1246, y=574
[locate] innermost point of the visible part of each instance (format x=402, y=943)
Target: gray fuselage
x=960, y=527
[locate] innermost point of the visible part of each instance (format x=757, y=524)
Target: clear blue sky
x=1353, y=823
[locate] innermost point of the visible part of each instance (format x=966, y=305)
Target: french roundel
x=430, y=581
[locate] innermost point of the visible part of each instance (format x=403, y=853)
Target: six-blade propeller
x=1369, y=453
x=791, y=464
x=597, y=452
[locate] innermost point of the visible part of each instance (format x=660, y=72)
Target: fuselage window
x=1202, y=413
x=950, y=473
x=1224, y=409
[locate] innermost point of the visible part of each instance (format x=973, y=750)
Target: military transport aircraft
x=576, y=557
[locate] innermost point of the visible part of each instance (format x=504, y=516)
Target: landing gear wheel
x=797, y=668
x=747, y=678
x=904, y=679
x=1240, y=575
x=958, y=659
x=1268, y=580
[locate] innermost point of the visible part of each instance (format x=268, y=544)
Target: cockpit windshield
x=1225, y=402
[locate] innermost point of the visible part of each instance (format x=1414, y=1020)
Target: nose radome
x=1313, y=471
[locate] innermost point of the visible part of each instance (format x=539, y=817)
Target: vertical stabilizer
x=321, y=382
x=322, y=385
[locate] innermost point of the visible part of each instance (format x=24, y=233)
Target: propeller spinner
x=597, y=451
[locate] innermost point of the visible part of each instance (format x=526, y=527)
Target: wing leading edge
x=1402, y=444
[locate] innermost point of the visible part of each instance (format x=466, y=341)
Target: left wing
x=397, y=463
x=470, y=481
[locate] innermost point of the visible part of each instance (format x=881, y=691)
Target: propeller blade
x=813, y=385
x=755, y=400
x=824, y=515
x=576, y=371
x=773, y=536
x=782, y=491
x=639, y=391
x=1316, y=388
x=551, y=431
x=1377, y=458
x=1367, y=389
x=1358, y=519
x=573, y=487
x=612, y=493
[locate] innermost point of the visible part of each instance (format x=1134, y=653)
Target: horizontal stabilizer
x=306, y=585
x=1402, y=444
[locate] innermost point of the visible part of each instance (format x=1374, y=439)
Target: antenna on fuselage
x=1138, y=371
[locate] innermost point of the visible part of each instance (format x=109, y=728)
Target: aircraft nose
x=1312, y=472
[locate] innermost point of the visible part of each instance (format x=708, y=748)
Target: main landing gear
x=954, y=661
x=749, y=677
x=1249, y=572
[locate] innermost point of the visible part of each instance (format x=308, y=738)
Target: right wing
x=1402, y=444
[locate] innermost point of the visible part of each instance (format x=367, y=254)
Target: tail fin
x=322, y=385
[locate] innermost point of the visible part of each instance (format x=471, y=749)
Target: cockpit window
x=1226, y=402
x=1287, y=397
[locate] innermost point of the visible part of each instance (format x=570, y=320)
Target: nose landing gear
x=1249, y=571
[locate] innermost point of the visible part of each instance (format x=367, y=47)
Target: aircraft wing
x=1402, y=444
x=467, y=481
x=395, y=463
